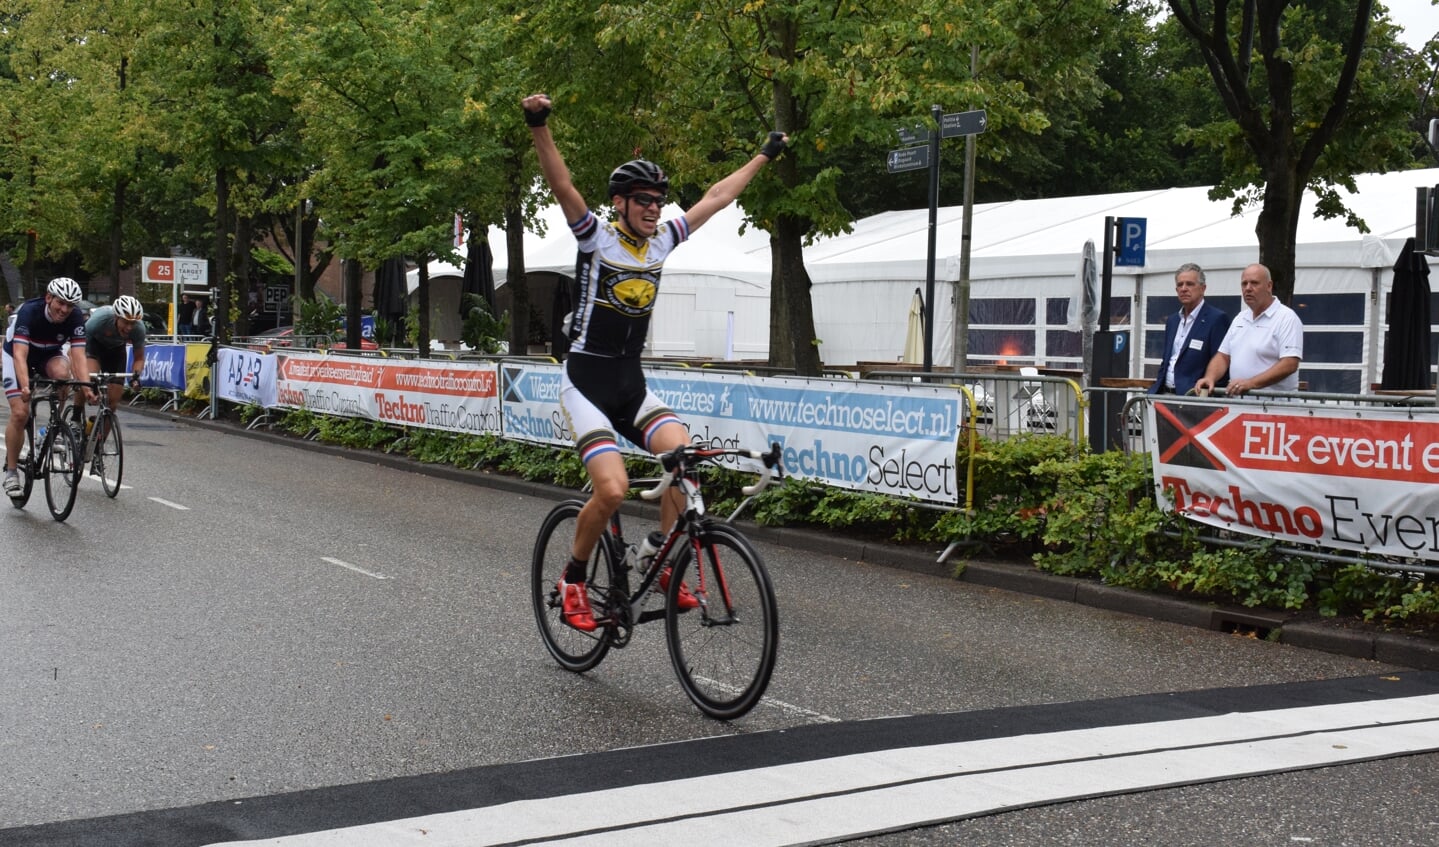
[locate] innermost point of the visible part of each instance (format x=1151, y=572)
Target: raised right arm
x=552, y=164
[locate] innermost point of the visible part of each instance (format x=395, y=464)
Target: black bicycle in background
x=57, y=459
x=723, y=650
x=101, y=446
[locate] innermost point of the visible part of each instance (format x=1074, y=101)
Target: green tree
x=601, y=119
x=389, y=121
x=837, y=75
x=1314, y=92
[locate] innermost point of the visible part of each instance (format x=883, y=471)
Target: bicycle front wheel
x=724, y=651
x=575, y=650
x=109, y=460
x=61, y=457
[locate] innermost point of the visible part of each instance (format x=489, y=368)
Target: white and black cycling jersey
x=618, y=278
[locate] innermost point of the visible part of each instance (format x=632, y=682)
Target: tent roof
x=1016, y=238
x=1041, y=237
x=718, y=249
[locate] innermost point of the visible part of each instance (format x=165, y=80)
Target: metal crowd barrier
x=1010, y=404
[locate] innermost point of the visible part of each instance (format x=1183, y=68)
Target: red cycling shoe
x=576, y=600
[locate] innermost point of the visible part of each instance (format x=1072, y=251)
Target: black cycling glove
x=537, y=118
x=774, y=146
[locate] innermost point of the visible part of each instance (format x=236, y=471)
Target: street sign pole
x=933, y=237
x=960, y=359
x=913, y=158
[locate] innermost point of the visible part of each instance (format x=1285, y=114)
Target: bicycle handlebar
x=95, y=380
x=124, y=378
x=680, y=459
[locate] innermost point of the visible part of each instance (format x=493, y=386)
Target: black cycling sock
x=575, y=571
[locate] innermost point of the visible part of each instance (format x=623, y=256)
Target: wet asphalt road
x=249, y=618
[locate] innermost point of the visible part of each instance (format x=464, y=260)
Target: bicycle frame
x=718, y=605
x=57, y=441
x=679, y=471
x=99, y=383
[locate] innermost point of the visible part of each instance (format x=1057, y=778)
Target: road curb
x=1330, y=637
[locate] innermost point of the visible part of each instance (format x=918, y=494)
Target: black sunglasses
x=647, y=200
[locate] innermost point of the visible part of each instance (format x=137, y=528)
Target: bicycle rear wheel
x=109, y=460
x=60, y=456
x=574, y=650
x=724, y=651
x=25, y=466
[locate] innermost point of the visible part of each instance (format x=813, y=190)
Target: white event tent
x=1025, y=255
x=714, y=295
x=1029, y=250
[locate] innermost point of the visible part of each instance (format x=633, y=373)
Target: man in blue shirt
x=35, y=346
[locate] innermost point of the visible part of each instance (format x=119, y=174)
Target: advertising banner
x=897, y=439
x=164, y=367
x=451, y=396
x=246, y=377
x=530, y=401
x=197, y=371
x=1306, y=475
x=888, y=438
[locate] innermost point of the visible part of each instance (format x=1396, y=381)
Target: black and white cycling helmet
x=636, y=174
x=66, y=289
x=129, y=308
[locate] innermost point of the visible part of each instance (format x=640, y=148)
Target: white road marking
x=123, y=486
x=355, y=568
x=175, y=506
x=856, y=795
x=790, y=708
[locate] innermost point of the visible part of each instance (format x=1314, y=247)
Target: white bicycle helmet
x=129, y=308
x=66, y=289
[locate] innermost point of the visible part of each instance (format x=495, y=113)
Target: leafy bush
x=482, y=331
x=319, y=317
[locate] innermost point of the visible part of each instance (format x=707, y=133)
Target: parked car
x=284, y=336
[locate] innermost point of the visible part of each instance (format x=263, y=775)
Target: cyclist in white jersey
x=603, y=391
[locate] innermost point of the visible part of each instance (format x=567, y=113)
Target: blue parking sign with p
x=1131, y=242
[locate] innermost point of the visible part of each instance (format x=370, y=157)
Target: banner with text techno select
x=897, y=439
x=1307, y=475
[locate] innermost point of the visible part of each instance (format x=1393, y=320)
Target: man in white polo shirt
x=1264, y=345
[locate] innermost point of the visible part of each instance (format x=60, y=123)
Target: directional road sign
x=908, y=159
x=917, y=134
x=963, y=123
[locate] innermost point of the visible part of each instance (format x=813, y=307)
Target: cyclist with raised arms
x=603, y=389
x=34, y=346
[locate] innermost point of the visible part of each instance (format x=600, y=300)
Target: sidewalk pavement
x=1343, y=637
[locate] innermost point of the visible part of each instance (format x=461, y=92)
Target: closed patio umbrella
x=479, y=276
x=1407, y=358
x=391, y=289
x=914, y=333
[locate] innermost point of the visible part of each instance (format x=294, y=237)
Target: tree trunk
x=424, y=294
x=1277, y=229
x=792, y=342
x=28, y=286
x=240, y=261
x=354, y=293
x=117, y=240
x=117, y=213
x=516, y=279
x=221, y=260
x=304, y=235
